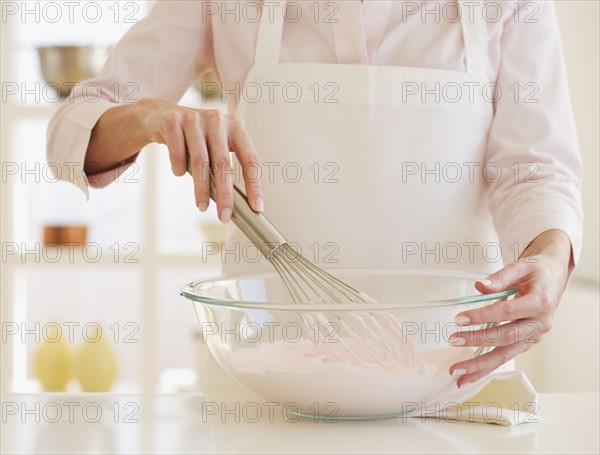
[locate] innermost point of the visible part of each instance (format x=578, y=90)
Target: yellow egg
x=96, y=363
x=53, y=360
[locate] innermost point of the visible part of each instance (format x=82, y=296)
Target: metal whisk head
x=308, y=283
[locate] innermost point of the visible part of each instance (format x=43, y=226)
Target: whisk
x=305, y=282
x=380, y=338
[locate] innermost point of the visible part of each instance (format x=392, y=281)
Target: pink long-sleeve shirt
x=533, y=123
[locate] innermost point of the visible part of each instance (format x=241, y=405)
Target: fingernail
x=225, y=215
x=258, y=204
x=486, y=282
x=462, y=320
x=459, y=372
x=457, y=341
x=203, y=206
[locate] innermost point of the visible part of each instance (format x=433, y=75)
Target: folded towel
x=502, y=398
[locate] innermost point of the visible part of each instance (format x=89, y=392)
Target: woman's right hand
x=208, y=135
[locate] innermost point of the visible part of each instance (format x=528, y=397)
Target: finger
x=512, y=275
x=218, y=151
x=175, y=142
x=505, y=278
x=526, y=330
x=242, y=145
x=199, y=162
x=529, y=305
x=474, y=369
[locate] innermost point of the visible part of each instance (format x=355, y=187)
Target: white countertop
x=227, y=423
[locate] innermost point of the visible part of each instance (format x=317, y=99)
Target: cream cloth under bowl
x=503, y=398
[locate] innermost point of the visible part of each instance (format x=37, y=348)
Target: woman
x=433, y=134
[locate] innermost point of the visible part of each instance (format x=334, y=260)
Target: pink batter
x=286, y=372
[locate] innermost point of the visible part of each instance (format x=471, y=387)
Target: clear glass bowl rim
x=188, y=292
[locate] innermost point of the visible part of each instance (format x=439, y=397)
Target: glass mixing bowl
x=340, y=361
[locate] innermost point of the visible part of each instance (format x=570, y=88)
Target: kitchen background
x=144, y=238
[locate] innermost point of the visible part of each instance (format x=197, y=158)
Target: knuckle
x=508, y=338
x=225, y=197
x=220, y=163
x=252, y=184
x=171, y=119
x=505, y=335
x=252, y=178
x=501, y=277
x=197, y=160
x=544, y=300
x=510, y=312
x=251, y=162
x=191, y=117
x=225, y=190
x=214, y=117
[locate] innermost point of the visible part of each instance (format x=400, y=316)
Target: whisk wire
x=302, y=275
x=307, y=283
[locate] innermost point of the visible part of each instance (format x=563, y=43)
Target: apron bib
x=372, y=166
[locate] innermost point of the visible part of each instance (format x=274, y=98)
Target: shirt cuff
x=548, y=213
x=67, y=142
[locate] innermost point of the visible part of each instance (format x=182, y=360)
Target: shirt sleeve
x=159, y=57
x=532, y=141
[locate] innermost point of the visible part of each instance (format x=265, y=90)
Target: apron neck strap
x=474, y=30
x=270, y=31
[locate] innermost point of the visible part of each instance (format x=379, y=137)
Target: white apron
x=357, y=172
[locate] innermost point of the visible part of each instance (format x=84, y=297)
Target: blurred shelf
x=139, y=259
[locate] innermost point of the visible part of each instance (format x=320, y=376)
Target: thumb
x=501, y=280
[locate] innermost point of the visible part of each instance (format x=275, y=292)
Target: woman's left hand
x=539, y=276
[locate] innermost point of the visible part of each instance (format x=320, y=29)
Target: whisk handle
x=254, y=225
